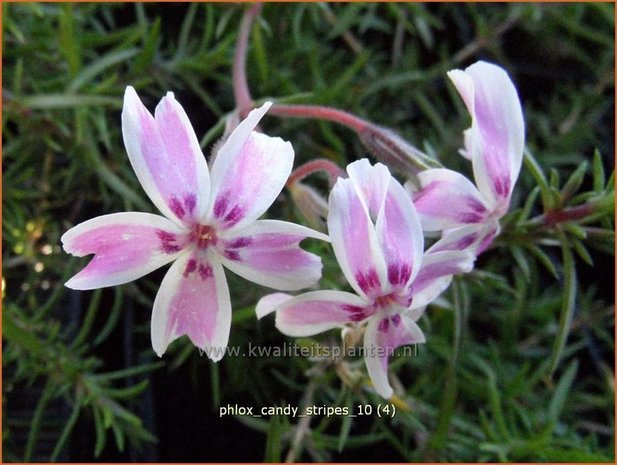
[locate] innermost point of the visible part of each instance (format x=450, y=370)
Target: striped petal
x=166, y=157
x=448, y=199
x=315, y=312
x=354, y=240
x=436, y=265
x=268, y=253
x=126, y=246
x=400, y=236
x=397, y=227
x=496, y=138
x=371, y=183
x=193, y=300
x=475, y=237
x=383, y=335
x=248, y=173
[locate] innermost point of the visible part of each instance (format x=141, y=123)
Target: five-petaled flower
x=378, y=242
x=447, y=200
x=210, y=219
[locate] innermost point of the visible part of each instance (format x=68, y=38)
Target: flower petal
x=371, y=183
x=383, y=335
x=194, y=300
x=462, y=238
x=430, y=292
x=271, y=302
x=475, y=237
x=354, y=240
x=166, y=157
x=397, y=226
x=127, y=246
x=317, y=311
x=248, y=173
x=268, y=253
x=436, y=265
x=497, y=137
x=400, y=236
x=448, y=199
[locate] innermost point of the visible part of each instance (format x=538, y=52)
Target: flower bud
x=391, y=149
x=312, y=205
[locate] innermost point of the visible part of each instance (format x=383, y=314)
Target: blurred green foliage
x=519, y=360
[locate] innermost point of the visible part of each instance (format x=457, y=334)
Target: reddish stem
x=553, y=217
x=242, y=94
x=321, y=164
x=321, y=112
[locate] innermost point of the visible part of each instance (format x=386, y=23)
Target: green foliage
x=518, y=363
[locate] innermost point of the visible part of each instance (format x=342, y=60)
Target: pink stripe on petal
x=497, y=137
x=447, y=199
x=193, y=300
x=315, y=312
x=463, y=238
x=474, y=238
x=400, y=235
x=490, y=233
x=166, y=157
x=126, y=246
x=439, y=264
x=430, y=291
x=268, y=253
x=248, y=174
x=371, y=183
x=383, y=335
x=354, y=241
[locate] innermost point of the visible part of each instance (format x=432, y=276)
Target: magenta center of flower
x=203, y=236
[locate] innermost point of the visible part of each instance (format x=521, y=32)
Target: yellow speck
x=19, y=248
x=400, y=403
x=38, y=267
x=46, y=249
x=30, y=226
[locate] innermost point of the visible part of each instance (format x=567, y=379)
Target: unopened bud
x=312, y=205
x=391, y=149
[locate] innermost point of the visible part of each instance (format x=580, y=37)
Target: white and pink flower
x=448, y=201
x=378, y=242
x=210, y=221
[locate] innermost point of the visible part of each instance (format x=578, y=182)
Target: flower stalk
x=242, y=94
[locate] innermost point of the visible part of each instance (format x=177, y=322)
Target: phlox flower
x=377, y=239
x=469, y=214
x=210, y=220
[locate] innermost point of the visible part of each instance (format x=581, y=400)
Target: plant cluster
x=505, y=284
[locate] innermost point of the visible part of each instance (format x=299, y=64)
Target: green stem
x=568, y=304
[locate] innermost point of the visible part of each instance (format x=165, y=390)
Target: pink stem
x=244, y=102
x=321, y=112
x=321, y=164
